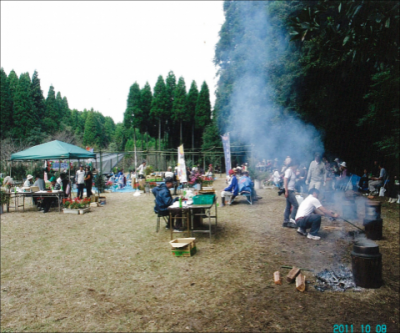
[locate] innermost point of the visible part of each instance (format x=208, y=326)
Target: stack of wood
x=293, y=275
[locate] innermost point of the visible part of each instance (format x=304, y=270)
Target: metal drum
x=366, y=262
x=372, y=210
x=373, y=228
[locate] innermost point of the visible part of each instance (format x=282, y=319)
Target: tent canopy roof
x=52, y=150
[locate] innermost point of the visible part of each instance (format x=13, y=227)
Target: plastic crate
x=204, y=199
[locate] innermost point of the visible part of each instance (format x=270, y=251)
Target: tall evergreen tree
x=170, y=86
x=6, y=110
x=66, y=111
x=13, y=83
x=51, y=121
x=38, y=104
x=92, y=131
x=133, y=114
x=159, y=105
x=59, y=106
x=109, y=129
x=192, y=98
x=203, y=108
x=23, y=119
x=179, y=107
x=146, y=98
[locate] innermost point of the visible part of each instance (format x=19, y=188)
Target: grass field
x=109, y=270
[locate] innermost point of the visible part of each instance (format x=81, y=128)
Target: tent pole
x=101, y=176
x=69, y=179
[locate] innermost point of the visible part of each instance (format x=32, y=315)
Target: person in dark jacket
x=164, y=199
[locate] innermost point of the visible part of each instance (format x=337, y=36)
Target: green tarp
x=53, y=150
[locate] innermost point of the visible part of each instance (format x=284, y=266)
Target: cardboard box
x=102, y=201
x=183, y=247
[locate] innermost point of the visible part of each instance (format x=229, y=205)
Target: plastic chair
x=247, y=195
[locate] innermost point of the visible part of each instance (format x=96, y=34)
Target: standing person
x=306, y=218
x=291, y=201
x=80, y=181
x=377, y=181
x=169, y=173
x=316, y=176
x=88, y=182
x=140, y=170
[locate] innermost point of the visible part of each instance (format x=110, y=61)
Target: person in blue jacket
x=246, y=185
x=164, y=199
x=232, y=190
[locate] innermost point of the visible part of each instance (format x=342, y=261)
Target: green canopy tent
x=53, y=150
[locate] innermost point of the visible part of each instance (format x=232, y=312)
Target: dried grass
x=109, y=271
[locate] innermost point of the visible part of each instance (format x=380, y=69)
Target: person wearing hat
x=316, y=176
x=46, y=203
x=342, y=180
x=245, y=184
x=28, y=181
x=232, y=190
x=80, y=181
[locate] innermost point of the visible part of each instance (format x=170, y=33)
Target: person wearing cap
x=28, y=181
x=80, y=181
x=163, y=199
x=46, y=203
x=306, y=217
x=232, y=190
x=316, y=176
x=169, y=173
x=342, y=180
x=140, y=170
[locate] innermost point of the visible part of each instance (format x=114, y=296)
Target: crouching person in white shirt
x=307, y=219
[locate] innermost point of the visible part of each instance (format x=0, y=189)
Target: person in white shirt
x=140, y=170
x=306, y=218
x=316, y=176
x=291, y=201
x=277, y=178
x=28, y=181
x=80, y=181
x=169, y=173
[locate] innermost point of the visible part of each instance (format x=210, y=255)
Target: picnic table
x=20, y=196
x=188, y=213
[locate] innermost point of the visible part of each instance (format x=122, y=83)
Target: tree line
x=333, y=64
x=159, y=119
x=170, y=113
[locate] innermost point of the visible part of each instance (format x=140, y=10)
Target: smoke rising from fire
x=251, y=69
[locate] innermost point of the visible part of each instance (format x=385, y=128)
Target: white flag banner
x=181, y=165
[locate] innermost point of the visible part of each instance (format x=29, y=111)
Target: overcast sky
x=92, y=52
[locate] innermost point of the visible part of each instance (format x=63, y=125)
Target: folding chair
x=158, y=222
x=247, y=195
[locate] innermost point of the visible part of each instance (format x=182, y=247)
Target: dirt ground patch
x=110, y=271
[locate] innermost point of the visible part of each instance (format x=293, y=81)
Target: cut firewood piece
x=292, y=274
x=277, y=278
x=301, y=282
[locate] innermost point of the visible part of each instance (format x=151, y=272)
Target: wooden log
x=277, y=278
x=301, y=282
x=292, y=274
